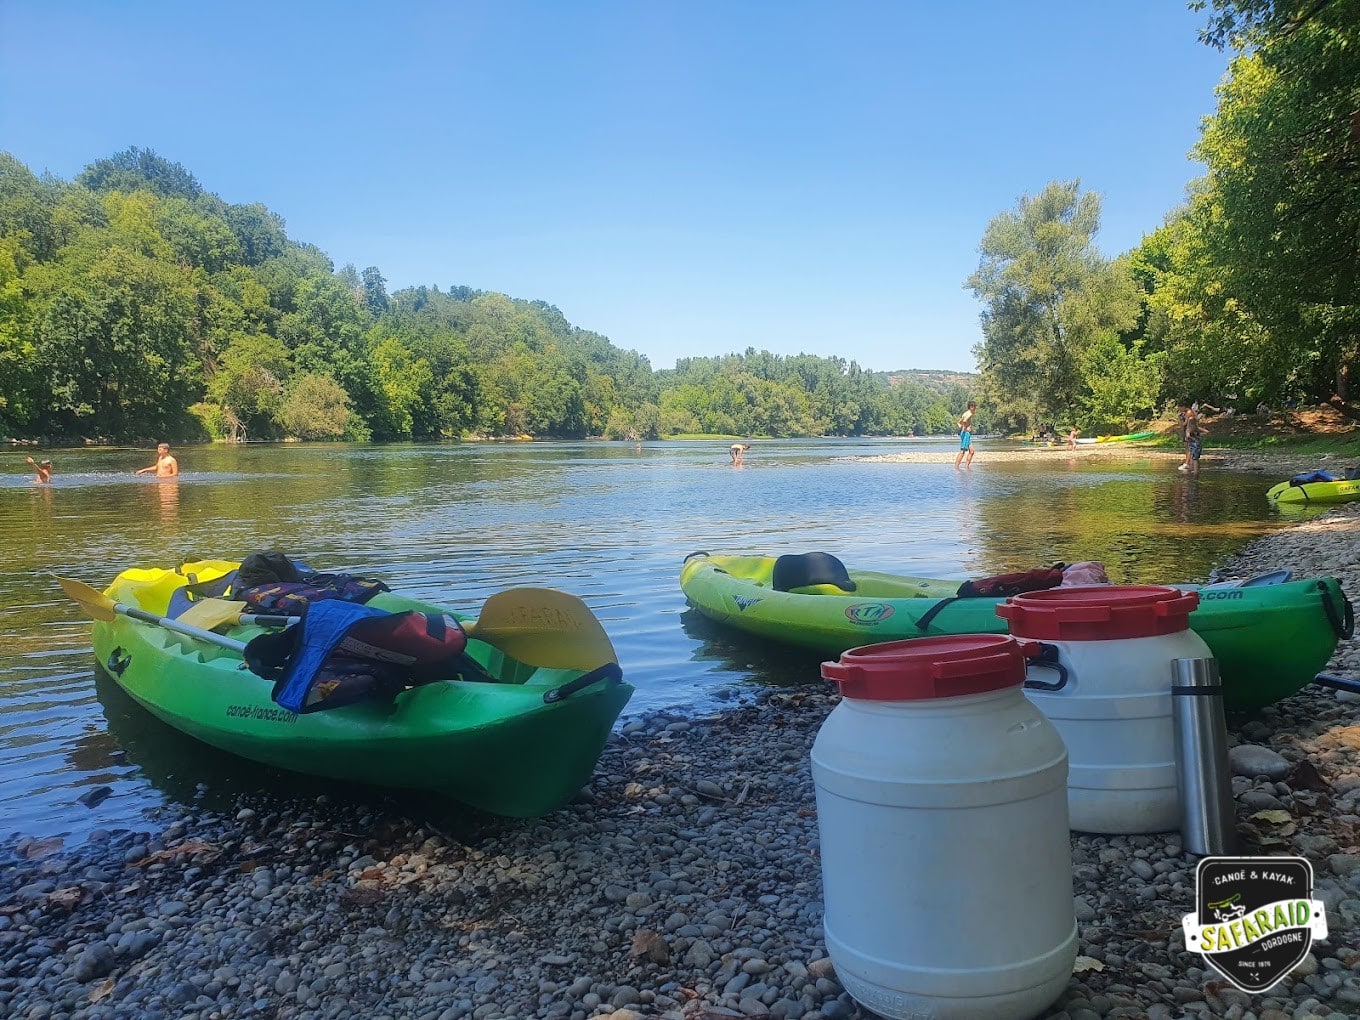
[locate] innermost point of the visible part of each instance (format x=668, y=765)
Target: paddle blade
x=96, y=604
x=212, y=613
x=543, y=627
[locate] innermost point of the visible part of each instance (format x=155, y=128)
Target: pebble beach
x=683, y=883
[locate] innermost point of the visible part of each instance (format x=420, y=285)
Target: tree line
x=1248, y=294
x=133, y=303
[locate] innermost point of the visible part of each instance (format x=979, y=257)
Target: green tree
x=1204, y=340
x=137, y=169
x=27, y=205
x=18, y=386
x=1283, y=152
x=248, y=385
x=259, y=232
x=316, y=407
x=115, y=328
x=404, y=385
x=1048, y=297
x=374, y=291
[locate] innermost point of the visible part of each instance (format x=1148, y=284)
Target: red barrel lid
x=1106, y=612
x=935, y=667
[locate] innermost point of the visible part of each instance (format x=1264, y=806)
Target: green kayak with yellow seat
x=488, y=730
x=1270, y=639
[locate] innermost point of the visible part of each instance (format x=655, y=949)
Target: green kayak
x=1337, y=490
x=1269, y=640
x=517, y=741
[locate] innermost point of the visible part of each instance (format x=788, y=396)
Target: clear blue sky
x=685, y=178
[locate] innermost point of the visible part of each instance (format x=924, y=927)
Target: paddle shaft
x=266, y=620
x=1337, y=683
x=181, y=628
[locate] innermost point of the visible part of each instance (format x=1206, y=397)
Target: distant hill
x=937, y=381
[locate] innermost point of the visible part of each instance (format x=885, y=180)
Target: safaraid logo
x=1255, y=918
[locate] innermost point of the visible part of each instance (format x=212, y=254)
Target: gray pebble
x=1250, y=760
x=96, y=961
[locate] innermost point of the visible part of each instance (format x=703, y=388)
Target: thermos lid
x=1098, y=613
x=935, y=667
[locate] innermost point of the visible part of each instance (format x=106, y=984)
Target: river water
x=455, y=523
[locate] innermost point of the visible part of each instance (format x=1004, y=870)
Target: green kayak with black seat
x=1317, y=488
x=1269, y=639
x=491, y=731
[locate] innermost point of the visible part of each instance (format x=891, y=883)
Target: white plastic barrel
x=942, y=811
x=1114, y=644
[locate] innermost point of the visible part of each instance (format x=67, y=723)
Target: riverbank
x=1278, y=444
x=1278, y=464
x=683, y=883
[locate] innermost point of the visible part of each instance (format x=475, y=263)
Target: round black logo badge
x=1255, y=919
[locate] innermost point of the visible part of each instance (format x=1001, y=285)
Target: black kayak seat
x=802, y=570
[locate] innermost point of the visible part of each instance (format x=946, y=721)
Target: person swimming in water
x=43, y=468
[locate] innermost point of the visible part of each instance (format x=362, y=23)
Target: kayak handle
x=118, y=661
x=1344, y=625
x=609, y=671
x=1047, y=659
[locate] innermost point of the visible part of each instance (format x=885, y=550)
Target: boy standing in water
x=966, y=436
x=1191, y=430
x=1194, y=433
x=165, y=467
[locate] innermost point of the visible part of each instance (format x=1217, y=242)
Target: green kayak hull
x=1269, y=641
x=1343, y=491
x=497, y=746
x=1126, y=437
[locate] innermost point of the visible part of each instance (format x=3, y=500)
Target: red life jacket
x=1005, y=585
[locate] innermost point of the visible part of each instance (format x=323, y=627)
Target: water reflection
x=137, y=749
x=457, y=522
x=749, y=656
x=137, y=744
x=1146, y=526
x=167, y=491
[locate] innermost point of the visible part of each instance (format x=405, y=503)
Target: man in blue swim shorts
x=966, y=436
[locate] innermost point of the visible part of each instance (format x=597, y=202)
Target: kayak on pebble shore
x=403, y=693
x=1270, y=637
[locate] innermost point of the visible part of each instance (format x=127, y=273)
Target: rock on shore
x=684, y=883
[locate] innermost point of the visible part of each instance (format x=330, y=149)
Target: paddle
x=543, y=627
x=212, y=613
x=100, y=607
x=537, y=626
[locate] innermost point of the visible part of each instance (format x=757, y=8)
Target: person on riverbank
x=165, y=467
x=1072, y=438
x=737, y=451
x=966, y=436
x=43, y=468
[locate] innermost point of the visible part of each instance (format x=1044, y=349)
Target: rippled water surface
x=456, y=523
